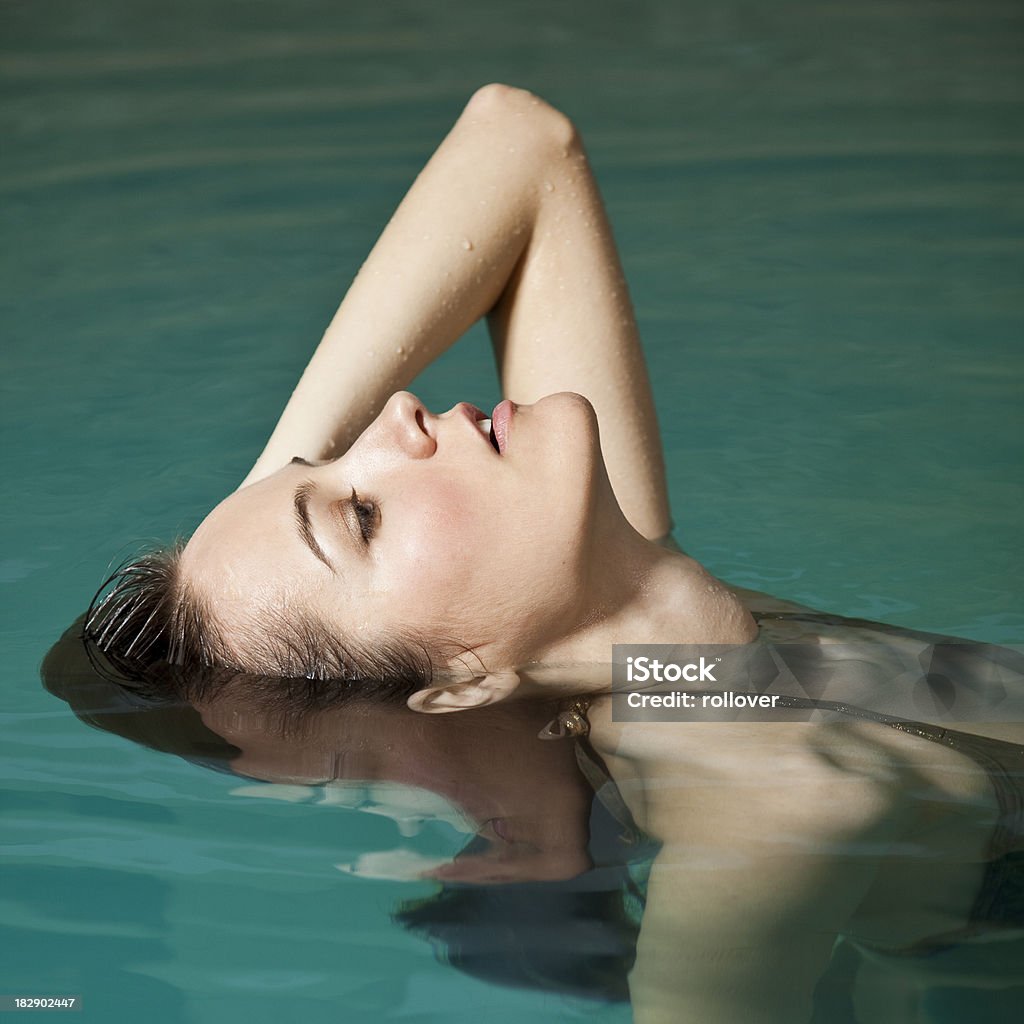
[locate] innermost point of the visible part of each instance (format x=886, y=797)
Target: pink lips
x=500, y=420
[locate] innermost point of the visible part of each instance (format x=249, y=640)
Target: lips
x=501, y=418
x=496, y=429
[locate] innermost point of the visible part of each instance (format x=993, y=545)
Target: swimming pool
x=820, y=216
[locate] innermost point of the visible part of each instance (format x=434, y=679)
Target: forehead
x=246, y=554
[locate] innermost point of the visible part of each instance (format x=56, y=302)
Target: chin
x=569, y=398
x=573, y=426
x=571, y=423
x=572, y=411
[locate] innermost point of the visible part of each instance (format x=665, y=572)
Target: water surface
x=820, y=214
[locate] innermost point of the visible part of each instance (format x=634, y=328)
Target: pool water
x=820, y=214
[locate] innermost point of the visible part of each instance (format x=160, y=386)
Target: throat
x=682, y=602
x=671, y=599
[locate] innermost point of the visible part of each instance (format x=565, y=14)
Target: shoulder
x=717, y=614
x=751, y=781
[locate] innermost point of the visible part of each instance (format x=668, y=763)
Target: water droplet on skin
x=511, y=149
x=548, y=187
x=400, y=351
x=467, y=244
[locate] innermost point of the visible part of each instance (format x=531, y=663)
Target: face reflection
x=422, y=527
x=487, y=763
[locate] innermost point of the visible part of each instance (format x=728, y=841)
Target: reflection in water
x=838, y=869
x=545, y=894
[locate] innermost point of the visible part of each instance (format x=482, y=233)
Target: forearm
x=441, y=263
x=566, y=323
x=721, y=943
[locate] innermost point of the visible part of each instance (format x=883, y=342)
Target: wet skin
x=421, y=527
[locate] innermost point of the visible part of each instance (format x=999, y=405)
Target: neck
x=641, y=593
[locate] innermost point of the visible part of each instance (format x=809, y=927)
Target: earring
x=570, y=722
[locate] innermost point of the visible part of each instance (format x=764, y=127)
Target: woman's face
x=421, y=527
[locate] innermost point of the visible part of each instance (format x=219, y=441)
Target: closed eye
x=367, y=515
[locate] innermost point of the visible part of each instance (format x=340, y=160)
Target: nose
x=409, y=425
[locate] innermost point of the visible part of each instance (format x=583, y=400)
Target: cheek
x=434, y=545
x=462, y=557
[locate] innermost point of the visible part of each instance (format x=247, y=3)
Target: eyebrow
x=302, y=495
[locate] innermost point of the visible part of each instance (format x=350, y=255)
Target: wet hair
x=98, y=697
x=158, y=709
x=159, y=635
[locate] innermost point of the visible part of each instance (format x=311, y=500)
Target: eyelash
x=366, y=514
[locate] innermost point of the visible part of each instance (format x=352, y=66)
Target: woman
x=457, y=557
x=441, y=543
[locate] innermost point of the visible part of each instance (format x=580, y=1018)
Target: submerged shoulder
x=758, y=783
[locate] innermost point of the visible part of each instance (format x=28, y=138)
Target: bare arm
x=505, y=220
x=719, y=945
x=766, y=831
x=748, y=895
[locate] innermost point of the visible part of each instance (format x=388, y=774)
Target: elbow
x=522, y=116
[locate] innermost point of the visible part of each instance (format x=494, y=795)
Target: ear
x=465, y=694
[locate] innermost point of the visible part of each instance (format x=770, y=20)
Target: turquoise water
x=820, y=213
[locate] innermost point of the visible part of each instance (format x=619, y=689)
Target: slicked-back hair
x=154, y=631
x=145, y=613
